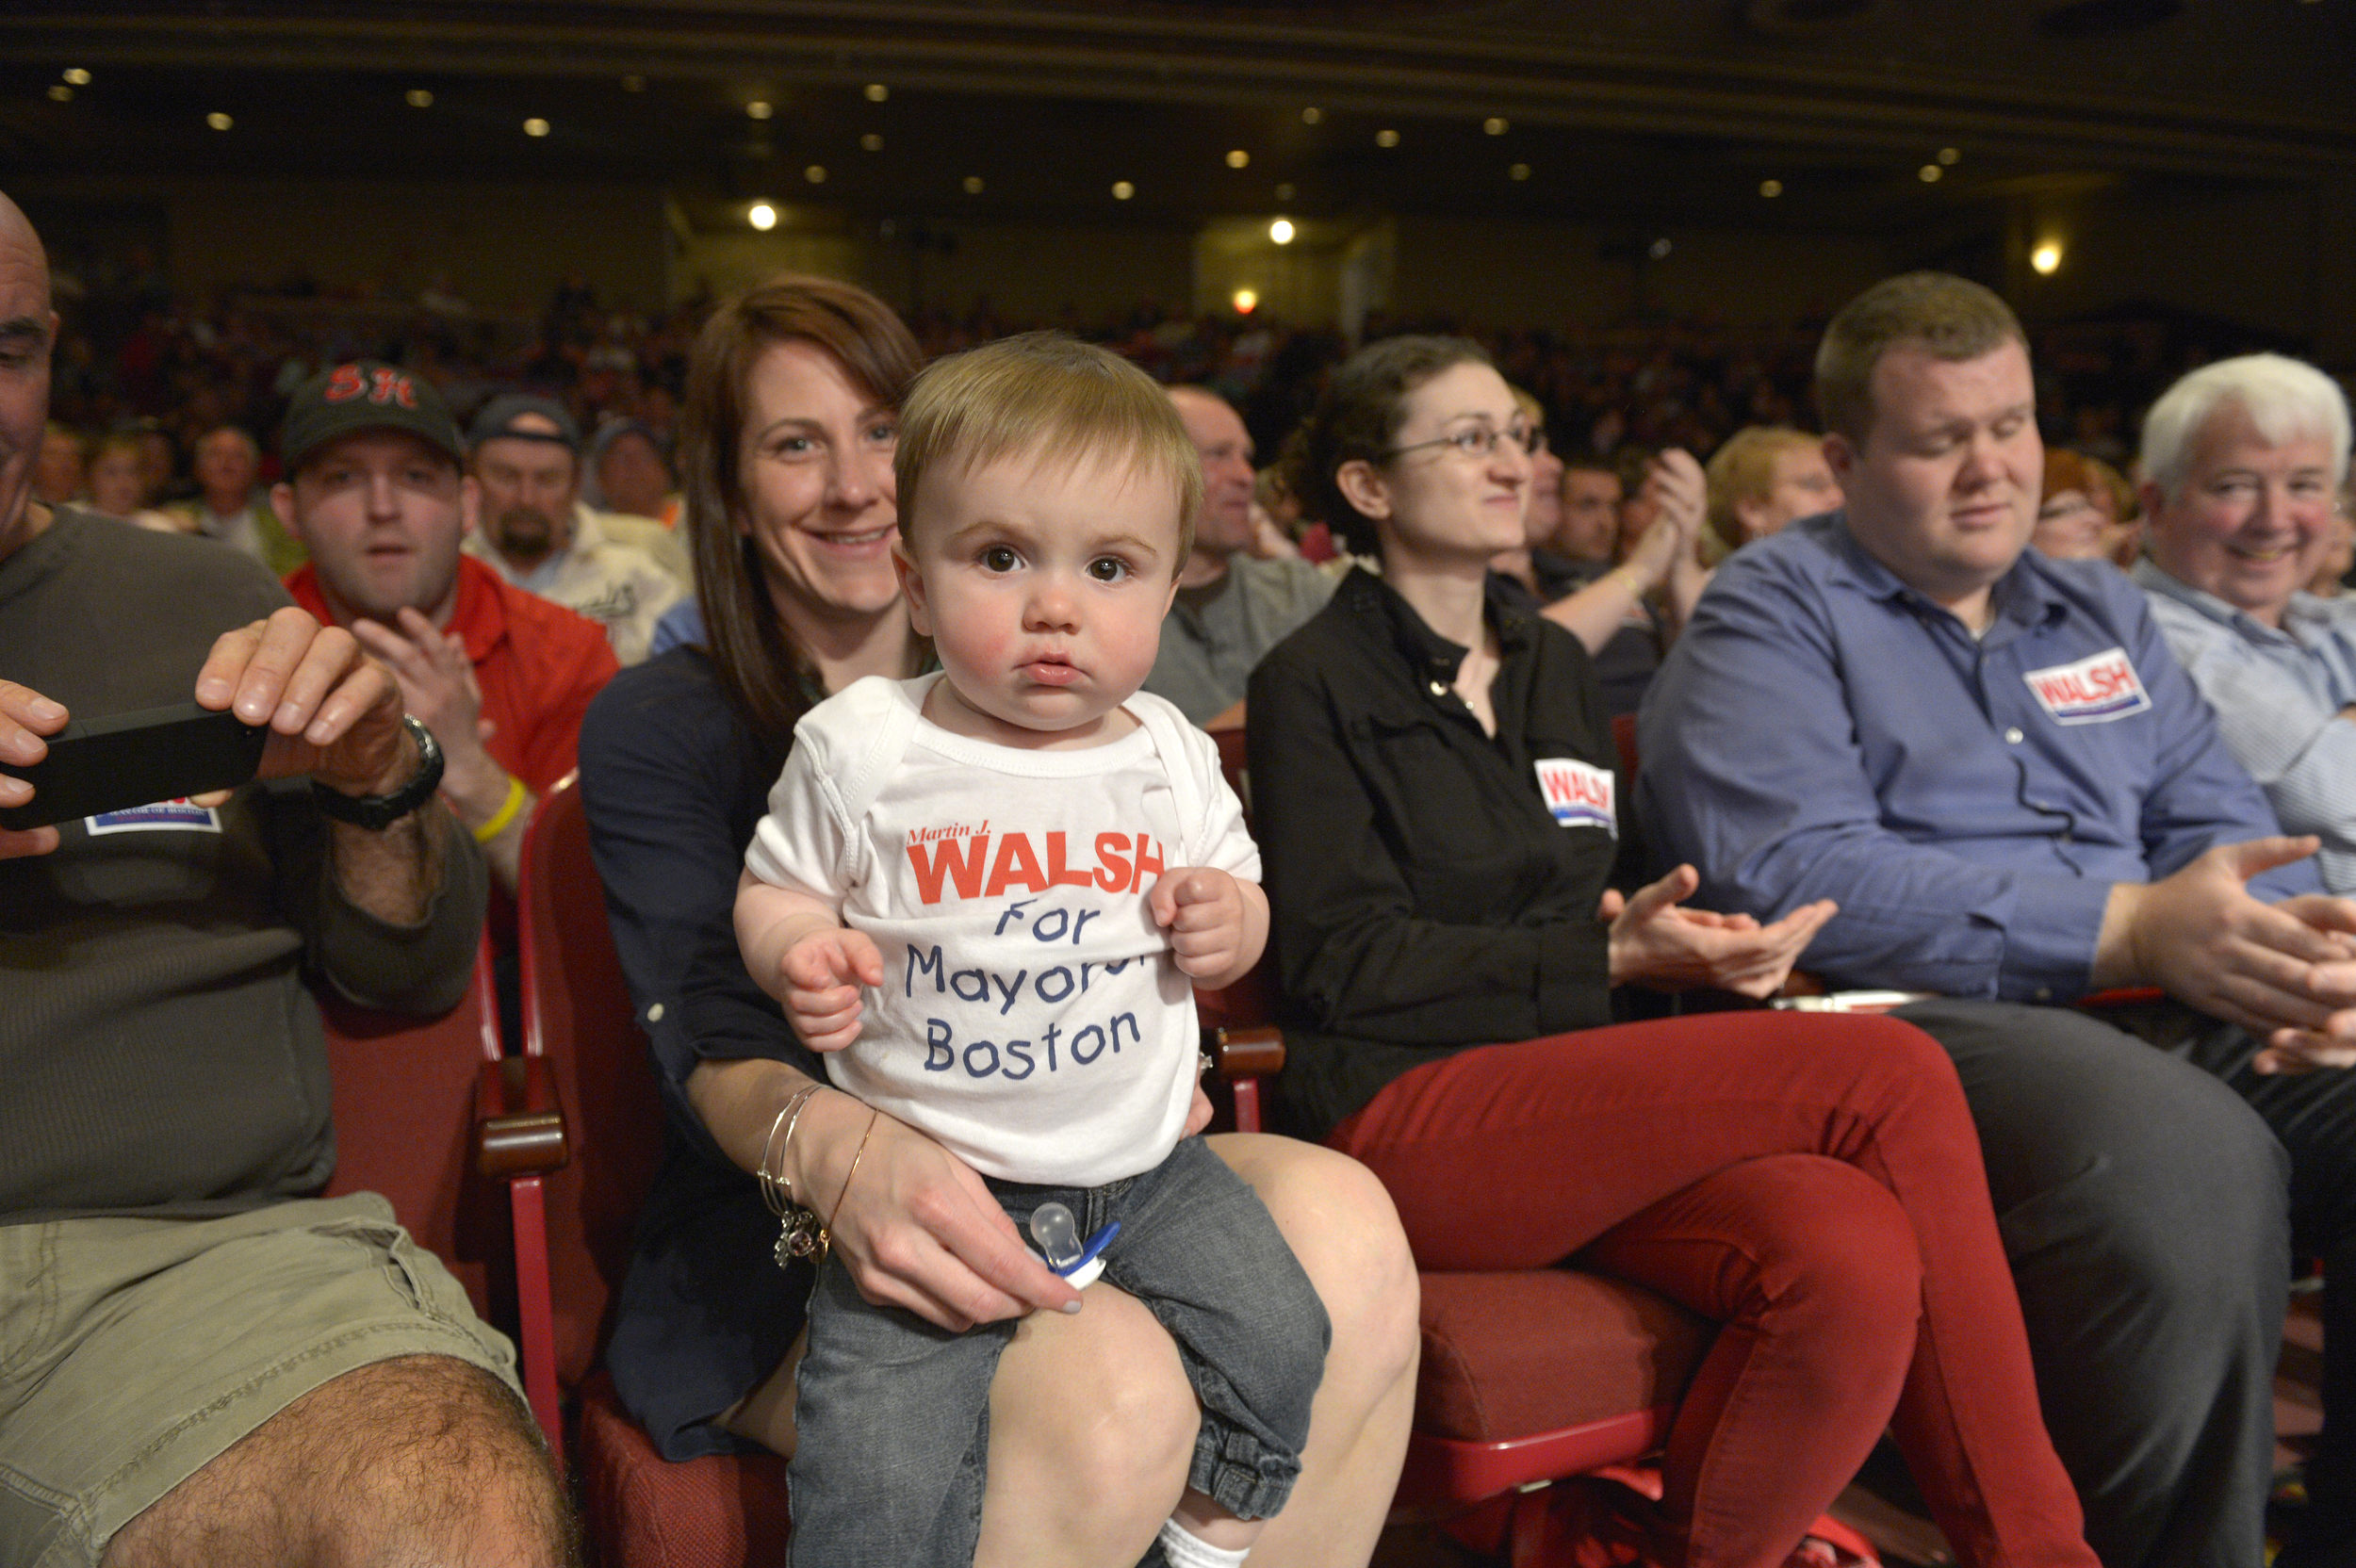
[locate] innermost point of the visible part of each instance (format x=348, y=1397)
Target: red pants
x=1813, y=1183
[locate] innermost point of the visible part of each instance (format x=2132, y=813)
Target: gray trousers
x=893, y=1414
x=2151, y=1190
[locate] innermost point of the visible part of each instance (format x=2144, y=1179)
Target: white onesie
x=1032, y=1017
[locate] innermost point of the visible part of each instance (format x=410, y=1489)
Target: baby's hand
x=823, y=973
x=1203, y=909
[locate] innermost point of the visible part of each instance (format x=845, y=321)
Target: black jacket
x=1425, y=898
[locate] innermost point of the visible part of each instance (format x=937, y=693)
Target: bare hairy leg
x=421, y=1460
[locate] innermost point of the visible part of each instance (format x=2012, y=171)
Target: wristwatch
x=379, y=812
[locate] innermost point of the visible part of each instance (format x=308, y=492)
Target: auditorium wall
x=504, y=247
x=2281, y=259
x=1496, y=273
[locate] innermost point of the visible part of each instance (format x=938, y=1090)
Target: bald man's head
x=28, y=327
x=1225, y=447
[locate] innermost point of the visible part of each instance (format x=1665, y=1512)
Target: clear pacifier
x=1059, y=1236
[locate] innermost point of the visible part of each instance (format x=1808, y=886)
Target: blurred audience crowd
x=143, y=379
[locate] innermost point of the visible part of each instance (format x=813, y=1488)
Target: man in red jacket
x=375, y=487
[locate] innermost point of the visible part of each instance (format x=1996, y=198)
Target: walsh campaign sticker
x=1579, y=794
x=165, y=816
x=2092, y=690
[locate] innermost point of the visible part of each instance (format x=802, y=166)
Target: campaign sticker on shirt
x=165, y=816
x=1579, y=794
x=2092, y=690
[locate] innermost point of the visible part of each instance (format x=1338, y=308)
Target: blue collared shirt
x=2278, y=695
x=1822, y=730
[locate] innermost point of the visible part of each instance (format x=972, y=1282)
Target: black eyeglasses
x=1475, y=441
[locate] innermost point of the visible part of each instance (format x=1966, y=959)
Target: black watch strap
x=379, y=812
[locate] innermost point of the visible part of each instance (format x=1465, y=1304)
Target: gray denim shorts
x=135, y=1351
x=892, y=1414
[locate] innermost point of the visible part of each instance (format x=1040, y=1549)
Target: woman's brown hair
x=762, y=669
x=1357, y=418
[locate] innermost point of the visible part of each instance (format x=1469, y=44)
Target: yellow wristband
x=517, y=795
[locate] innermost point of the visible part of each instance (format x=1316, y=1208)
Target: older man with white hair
x=2242, y=463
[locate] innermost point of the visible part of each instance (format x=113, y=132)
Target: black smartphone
x=129, y=759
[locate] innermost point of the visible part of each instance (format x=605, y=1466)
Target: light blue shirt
x=2277, y=694
x=1822, y=730
x=682, y=623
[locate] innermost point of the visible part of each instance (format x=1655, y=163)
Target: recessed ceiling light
x=759, y=108
x=1950, y=154
x=871, y=142
x=2047, y=257
x=60, y=91
x=1122, y=190
x=1658, y=250
x=877, y=92
x=420, y=98
x=535, y=126
x=1280, y=231
x=1238, y=159
x=1771, y=187
x=973, y=184
x=1311, y=115
x=634, y=84
x=76, y=75
x=1246, y=301
x=218, y=121
x=1519, y=171
x=1929, y=173
x=1387, y=138
x=815, y=173
x=762, y=216
x=1495, y=126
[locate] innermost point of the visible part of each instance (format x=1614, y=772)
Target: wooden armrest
x=1247, y=1051
x=519, y=1127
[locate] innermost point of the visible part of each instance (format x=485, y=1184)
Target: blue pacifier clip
x=1057, y=1234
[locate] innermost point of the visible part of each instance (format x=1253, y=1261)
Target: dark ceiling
x=1673, y=109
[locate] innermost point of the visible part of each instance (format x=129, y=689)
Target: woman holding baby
x=791, y=420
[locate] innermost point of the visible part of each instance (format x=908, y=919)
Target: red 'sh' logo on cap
x=379, y=385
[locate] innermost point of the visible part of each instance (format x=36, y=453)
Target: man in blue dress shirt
x=1994, y=765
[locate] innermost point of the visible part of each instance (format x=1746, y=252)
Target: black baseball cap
x=366, y=394
x=497, y=422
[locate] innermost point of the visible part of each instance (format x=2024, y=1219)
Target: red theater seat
x=458, y=1139
x=640, y=1510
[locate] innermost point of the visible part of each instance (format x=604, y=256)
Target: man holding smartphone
x=193, y=1354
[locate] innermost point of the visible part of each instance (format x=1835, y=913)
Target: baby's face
x=1043, y=590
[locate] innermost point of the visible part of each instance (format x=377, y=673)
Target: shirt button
x=2013, y=737
x=2044, y=993
x=654, y=1014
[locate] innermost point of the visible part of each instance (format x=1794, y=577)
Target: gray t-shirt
x=159, y=1049
x=1216, y=634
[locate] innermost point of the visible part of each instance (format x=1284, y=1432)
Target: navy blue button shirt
x=1822, y=730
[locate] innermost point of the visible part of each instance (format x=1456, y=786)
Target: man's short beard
x=523, y=535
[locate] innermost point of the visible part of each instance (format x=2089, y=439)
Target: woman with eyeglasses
x=1436, y=808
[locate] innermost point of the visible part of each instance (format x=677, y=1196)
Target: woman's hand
x=1679, y=494
x=915, y=1225
x=1657, y=942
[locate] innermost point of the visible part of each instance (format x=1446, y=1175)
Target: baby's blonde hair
x=1056, y=400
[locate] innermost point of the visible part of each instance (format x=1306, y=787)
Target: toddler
x=986, y=893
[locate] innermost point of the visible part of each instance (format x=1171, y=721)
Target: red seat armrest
x=519, y=1127
x=1246, y=1051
